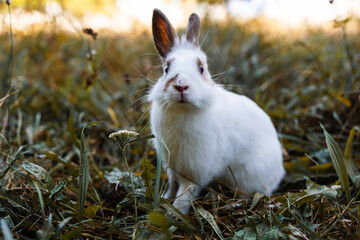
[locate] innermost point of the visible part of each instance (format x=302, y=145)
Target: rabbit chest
x=191, y=143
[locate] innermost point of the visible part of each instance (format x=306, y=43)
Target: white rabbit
x=207, y=129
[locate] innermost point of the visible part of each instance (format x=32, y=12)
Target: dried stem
x=131, y=178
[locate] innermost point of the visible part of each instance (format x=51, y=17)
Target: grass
x=51, y=187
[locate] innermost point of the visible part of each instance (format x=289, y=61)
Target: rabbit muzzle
x=181, y=89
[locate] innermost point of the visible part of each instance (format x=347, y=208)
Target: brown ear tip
x=194, y=17
x=157, y=12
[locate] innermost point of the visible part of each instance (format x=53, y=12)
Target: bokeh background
x=65, y=63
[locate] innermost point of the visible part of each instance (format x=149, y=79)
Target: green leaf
x=40, y=174
x=249, y=231
x=328, y=192
x=115, y=175
x=292, y=232
x=338, y=160
x=315, y=191
x=55, y=157
x=6, y=230
x=211, y=220
x=58, y=188
x=74, y=233
x=84, y=170
x=175, y=212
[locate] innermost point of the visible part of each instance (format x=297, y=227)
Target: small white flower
x=124, y=136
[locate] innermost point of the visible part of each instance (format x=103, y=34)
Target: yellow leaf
x=91, y=211
x=159, y=219
x=322, y=167
x=342, y=99
x=113, y=116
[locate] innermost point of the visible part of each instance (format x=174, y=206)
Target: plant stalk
x=131, y=179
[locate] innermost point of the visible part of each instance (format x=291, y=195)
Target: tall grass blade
x=353, y=172
x=41, y=200
x=169, y=158
x=6, y=230
x=60, y=226
x=2, y=100
x=158, y=173
x=84, y=170
x=197, y=216
x=95, y=195
x=15, y=156
x=47, y=229
x=338, y=160
x=71, y=130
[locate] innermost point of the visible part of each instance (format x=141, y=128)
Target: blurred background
x=65, y=63
x=127, y=15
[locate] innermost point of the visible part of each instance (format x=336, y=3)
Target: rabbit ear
x=193, y=29
x=163, y=32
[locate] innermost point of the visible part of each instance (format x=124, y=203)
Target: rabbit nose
x=180, y=88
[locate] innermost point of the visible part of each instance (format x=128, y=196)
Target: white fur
x=213, y=131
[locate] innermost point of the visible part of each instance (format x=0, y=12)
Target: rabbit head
x=186, y=82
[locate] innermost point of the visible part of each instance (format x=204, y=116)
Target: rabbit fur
x=207, y=129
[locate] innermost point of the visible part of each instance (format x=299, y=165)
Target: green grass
x=58, y=87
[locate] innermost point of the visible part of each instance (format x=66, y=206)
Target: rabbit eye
x=167, y=66
x=201, y=69
x=200, y=65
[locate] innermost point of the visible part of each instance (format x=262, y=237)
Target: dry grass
x=60, y=82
